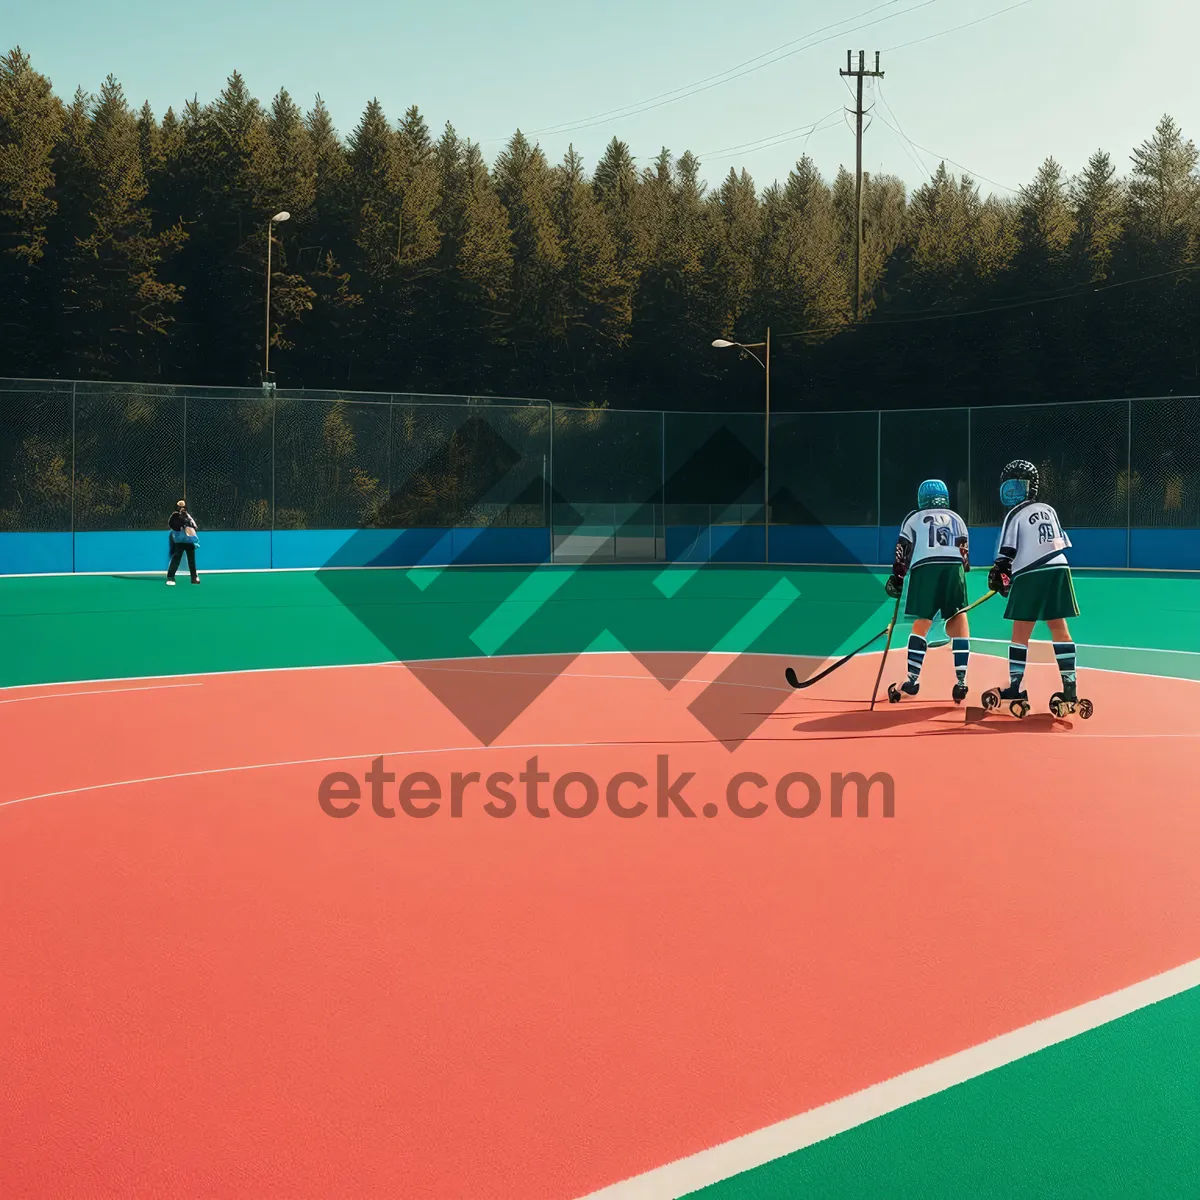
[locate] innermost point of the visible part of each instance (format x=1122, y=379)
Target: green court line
x=764, y=613
x=68, y=628
x=1112, y=1113
x=522, y=606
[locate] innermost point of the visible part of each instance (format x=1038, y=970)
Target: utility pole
x=859, y=74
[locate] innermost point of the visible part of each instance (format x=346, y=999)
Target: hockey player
x=1031, y=570
x=933, y=551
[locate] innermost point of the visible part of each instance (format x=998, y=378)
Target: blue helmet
x=933, y=493
x=1018, y=483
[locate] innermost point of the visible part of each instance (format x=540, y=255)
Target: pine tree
x=592, y=298
x=1046, y=226
x=112, y=268
x=324, y=353
x=483, y=256
x=615, y=184
x=525, y=187
x=807, y=262
x=738, y=219
x=31, y=117
x=1164, y=194
x=1099, y=204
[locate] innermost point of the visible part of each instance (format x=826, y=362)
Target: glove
x=999, y=580
x=894, y=586
x=962, y=549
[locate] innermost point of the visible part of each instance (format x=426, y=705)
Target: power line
x=965, y=25
x=943, y=157
x=685, y=93
x=719, y=74
x=905, y=142
x=979, y=312
x=786, y=135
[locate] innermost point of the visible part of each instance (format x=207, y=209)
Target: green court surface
x=95, y=627
x=1110, y=1112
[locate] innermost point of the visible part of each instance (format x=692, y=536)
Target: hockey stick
x=795, y=682
x=798, y=683
x=943, y=640
x=887, y=646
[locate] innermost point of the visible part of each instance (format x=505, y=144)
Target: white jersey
x=1033, y=536
x=935, y=535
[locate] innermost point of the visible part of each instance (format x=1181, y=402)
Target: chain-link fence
x=609, y=485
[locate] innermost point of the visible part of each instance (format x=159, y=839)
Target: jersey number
x=939, y=535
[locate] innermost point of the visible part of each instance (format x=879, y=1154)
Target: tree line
x=134, y=247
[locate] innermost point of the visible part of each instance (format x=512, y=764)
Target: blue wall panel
x=840, y=544
x=315, y=548
x=715, y=543
x=1165, y=549
x=35, y=553
x=116, y=553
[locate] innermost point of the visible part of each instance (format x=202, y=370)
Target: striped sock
x=1064, y=653
x=916, y=657
x=962, y=652
x=1017, y=656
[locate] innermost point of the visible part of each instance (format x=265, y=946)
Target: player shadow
x=868, y=720
x=864, y=722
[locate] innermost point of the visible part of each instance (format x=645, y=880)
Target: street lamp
x=765, y=363
x=276, y=219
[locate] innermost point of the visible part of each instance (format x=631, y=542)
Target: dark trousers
x=178, y=550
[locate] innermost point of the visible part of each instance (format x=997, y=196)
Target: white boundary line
x=429, y=662
x=1095, y=646
x=400, y=662
x=495, y=747
x=873, y=568
x=728, y=1159
x=100, y=691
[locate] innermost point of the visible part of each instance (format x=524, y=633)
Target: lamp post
x=765, y=363
x=276, y=219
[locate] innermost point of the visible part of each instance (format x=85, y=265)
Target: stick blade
x=790, y=676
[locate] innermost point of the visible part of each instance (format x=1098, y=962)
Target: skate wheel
x=893, y=693
x=991, y=700
x=1058, y=706
x=1019, y=709
x=1086, y=709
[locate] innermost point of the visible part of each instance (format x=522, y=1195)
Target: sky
x=749, y=86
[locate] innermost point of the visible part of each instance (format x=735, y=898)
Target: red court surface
x=209, y=987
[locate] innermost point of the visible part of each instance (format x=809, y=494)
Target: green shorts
x=937, y=587
x=1043, y=594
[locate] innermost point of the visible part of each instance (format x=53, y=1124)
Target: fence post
x=274, y=410
x=185, y=431
x=1129, y=485
x=391, y=487
x=878, y=477
x=970, y=489
x=550, y=512
x=662, y=490
x=73, y=477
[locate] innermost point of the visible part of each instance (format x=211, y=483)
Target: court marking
x=880, y=569
x=760, y=1147
x=573, y=654
x=102, y=691
x=418, y=751
x=745, y=1153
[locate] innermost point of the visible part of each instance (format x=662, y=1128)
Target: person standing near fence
x=933, y=551
x=183, y=541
